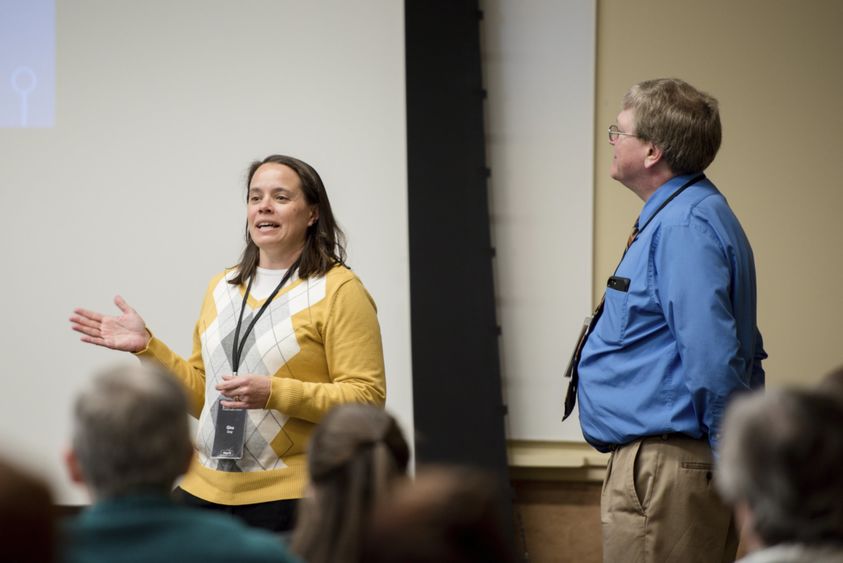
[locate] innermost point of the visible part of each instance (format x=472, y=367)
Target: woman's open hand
x=126, y=333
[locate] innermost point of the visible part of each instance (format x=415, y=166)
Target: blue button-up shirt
x=667, y=354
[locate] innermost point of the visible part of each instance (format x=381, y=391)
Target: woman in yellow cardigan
x=281, y=338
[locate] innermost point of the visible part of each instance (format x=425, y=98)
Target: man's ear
x=654, y=156
x=745, y=519
x=71, y=462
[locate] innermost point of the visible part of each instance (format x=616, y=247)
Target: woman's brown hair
x=324, y=240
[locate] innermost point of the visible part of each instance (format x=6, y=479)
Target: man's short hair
x=679, y=119
x=131, y=431
x=781, y=455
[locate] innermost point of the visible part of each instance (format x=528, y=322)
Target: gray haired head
x=131, y=431
x=781, y=456
x=679, y=119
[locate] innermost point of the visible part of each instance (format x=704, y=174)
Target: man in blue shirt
x=131, y=441
x=674, y=339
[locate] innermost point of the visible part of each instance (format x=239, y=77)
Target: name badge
x=229, y=433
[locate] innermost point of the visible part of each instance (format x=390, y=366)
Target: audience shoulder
x=239, y=542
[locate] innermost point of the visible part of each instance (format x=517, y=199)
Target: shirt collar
x=660, y=195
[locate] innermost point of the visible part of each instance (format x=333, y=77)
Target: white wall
x=538, y=64
x=138, y=188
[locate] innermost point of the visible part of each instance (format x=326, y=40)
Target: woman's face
x=278, y=214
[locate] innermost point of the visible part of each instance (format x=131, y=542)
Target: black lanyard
x=681, y=189
x=236, y=350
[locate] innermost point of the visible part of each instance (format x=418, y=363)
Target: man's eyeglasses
x=614, y=133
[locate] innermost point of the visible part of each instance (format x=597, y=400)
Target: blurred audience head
x=27, y=517
x=781, y=464
x=130, y=433
x=446, y=515
x=832, y=384
x=355, y=455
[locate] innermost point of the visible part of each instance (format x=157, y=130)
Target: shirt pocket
x=613, y=321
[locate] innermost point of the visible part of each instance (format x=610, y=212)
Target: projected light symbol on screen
x=24, y=82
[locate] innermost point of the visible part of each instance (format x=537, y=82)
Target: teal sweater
x=150, y=527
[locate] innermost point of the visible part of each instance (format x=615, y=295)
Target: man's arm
x=693, y=281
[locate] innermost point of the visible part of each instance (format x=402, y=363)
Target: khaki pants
x=659, y=504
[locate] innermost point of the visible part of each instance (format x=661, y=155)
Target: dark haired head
x=447, y=515
x=355, y=455
x=832, y=384
x=27, y=516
